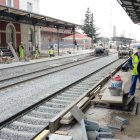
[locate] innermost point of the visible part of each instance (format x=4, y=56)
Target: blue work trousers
x=133, y=84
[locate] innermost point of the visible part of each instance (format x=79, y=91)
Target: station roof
x=122, y=38
x=25, y=17
x=77, y=36
x=132, y=8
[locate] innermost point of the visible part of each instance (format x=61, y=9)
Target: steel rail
x=39, y=73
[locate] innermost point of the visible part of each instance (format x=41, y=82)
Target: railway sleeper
x=35, y=118
x=55, y=105
x=60, y=101
x=43, y=114
x=40, y=115
x=89, y=83
x=80, y=89
x=74, y=93
x=83, y=86
x=33, y=122
x=74, y=89
x=70, y=95
x=51, y=109
x=25, y=127
x=9, y=134
x=64, y=97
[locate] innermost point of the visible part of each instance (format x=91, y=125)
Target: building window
x=10, y=35
x=9, y=3
x=0, y=39
x=30, y=35
x=29, y=7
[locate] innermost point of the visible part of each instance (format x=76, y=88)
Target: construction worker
x=21, y=51
x=37, y=52
x=51, y=52
x=134, y=64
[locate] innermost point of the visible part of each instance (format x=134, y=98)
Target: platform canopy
x=25, y=17
x=132, y=8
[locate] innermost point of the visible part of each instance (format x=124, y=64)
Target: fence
x=64, y=47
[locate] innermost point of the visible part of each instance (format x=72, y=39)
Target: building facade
x=30, y=35
x=15, y=33
x=49, y=36
x=10, y=32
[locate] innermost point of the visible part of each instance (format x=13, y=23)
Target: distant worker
x=21, y=51
x=37, y=52
x=118, y=48
x=51, y=52
x=75, y=44
x=1, y=53
x=134, y=64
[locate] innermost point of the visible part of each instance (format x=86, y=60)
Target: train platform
x=77, y=54
x=104, y=116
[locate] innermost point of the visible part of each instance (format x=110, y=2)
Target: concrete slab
x=107, y=97
x=111, y=99
x=77, y=114
x=60, y=137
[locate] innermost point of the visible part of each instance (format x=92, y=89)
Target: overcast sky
x=107, y=13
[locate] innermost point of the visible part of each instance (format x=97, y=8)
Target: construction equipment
x=99, y=51
x=124, y=51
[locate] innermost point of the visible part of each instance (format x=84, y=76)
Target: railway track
x=31, y=121
x=33, y=74
x=18, y=70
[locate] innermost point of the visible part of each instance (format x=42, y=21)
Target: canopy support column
x=58, y=39
x=34, y=36
x=73, y=30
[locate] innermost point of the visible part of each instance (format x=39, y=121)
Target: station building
x=20, y=21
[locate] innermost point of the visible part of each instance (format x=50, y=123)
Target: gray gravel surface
x=17, y=98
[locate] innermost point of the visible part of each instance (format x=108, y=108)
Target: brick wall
x=3, y=2
x=15, y=3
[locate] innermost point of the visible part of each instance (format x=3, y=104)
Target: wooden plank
x=13, y=52
x=42, y=135
x=111, y=99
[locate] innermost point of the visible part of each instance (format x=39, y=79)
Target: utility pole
x=110, y=25
x=92, y=29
